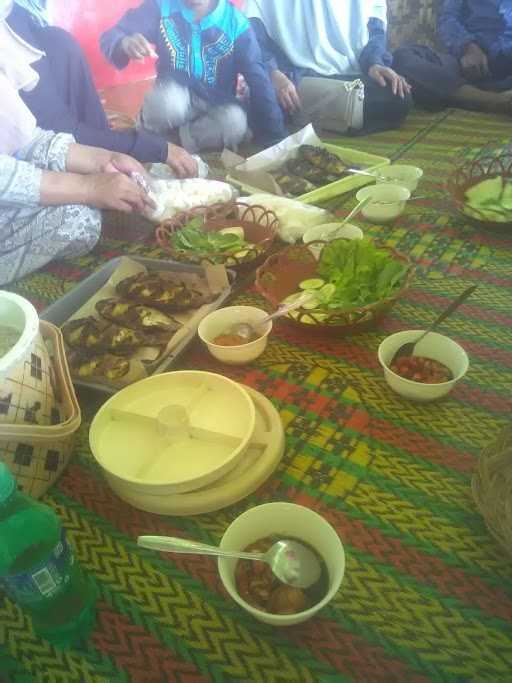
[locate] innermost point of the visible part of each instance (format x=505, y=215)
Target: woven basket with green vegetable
x=481, y=190
x=352, y=285
x=233, y=234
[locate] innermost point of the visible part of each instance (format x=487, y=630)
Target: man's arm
x=451, y=29
x=143, y=20
x=266, y=116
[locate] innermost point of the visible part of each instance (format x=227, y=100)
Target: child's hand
x=137, y=47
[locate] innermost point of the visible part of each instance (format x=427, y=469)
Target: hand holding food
x=181, y=162
x=115, y=191
x=115, y=162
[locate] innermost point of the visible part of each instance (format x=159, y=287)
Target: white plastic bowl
x=284, y=520
x=18, y=313
x=160, y=459
x=401, y=174
x=435, y=346
x=220, y=322
x=387, y=201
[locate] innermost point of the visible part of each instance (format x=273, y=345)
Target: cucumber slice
x=312, y=304
x=292, y=298
x=485, y=191
x=506, y=200
x=239, y=232
x=312, y=283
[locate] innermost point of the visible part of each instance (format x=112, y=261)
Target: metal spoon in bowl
x=408, y=348
x=332, y=233
x=250, y=330
x=291, y=562
x=358, y=171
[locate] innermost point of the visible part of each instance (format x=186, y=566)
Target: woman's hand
x=286, y=92
x=85, y=159
x=137, y=47
x=115, y=162
x=115, y=191
x=386, y=76
x=181, y=162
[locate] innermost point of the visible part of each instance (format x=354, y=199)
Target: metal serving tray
x=61, y=310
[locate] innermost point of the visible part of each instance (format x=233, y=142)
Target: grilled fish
x=105, y=366
x=319, y=157
x=91, y=336
x=157, y=292
x=136, y=316
x=293, y=185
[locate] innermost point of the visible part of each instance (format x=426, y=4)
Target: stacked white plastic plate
x=185, y=443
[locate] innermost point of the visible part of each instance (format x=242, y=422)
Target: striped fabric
x=427, y=594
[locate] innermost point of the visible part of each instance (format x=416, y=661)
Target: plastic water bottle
x=38, y=569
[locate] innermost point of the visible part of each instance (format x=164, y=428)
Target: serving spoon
x=408, y=348
x=250, y=330
x=358, y=171
x=332, y=233
x=291, y=562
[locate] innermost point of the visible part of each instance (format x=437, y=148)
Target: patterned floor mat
x=427, y=593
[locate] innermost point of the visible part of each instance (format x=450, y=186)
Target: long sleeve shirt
x=326, y=37
x=488, y=23
x=205, y=56
x=65, y=91
x=20, y=175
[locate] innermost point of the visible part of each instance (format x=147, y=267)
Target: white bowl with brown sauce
x=274, y=521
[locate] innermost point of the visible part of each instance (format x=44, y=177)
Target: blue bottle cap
x=7, y=482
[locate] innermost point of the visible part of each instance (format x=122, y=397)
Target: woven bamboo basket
x=283, y=271
x=488, y=165
x=492, y=487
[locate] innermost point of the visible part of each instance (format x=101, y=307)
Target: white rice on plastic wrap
x=173, y=196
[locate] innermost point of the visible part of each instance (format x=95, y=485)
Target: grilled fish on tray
x=91, y=336
x=151, y=289
x=313, y=167
x=292, y=184
x=322, y=158
x=313, y=174
x=104, y=366
x=136, y=316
